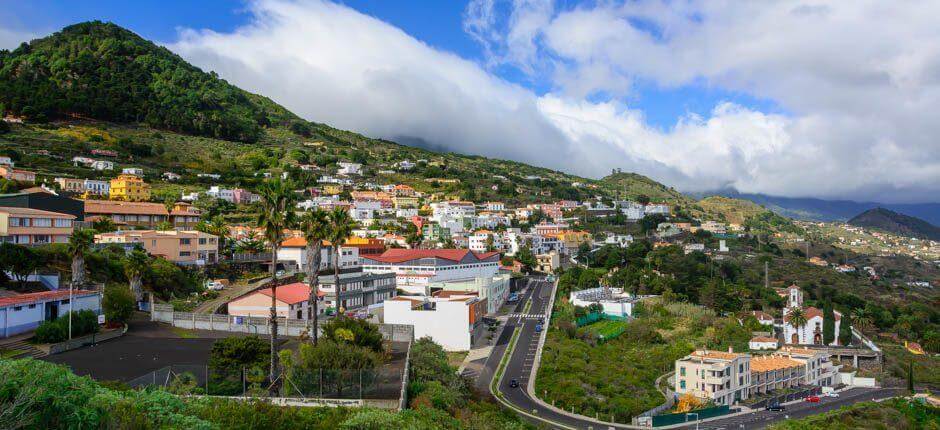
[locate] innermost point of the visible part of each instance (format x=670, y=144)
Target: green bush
x=118, y=304
x=83, y=322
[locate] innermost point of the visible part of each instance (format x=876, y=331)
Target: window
x=16, y=222
x=32, y=306
x=185, y=253
x=42, y=222
x=17, y=308
x=185, y=241
x=59, y=222
x=202, y=241
x=682, y=371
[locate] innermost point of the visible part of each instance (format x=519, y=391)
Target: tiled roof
x=445, y=294
x=292, y=293
x=763, y=339
x=35, y=212
x=720, y=355
x=772, y=362
x=133, y=208
x=298, y=242
x=25, y=299
x=402, y=255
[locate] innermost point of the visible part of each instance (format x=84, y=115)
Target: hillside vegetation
x=893, y=222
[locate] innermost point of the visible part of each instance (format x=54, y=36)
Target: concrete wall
x=448, y=324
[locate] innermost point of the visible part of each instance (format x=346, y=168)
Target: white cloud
x=858, y=80
x=11, y=39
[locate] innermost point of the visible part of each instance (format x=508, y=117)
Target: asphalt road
x=762, y=419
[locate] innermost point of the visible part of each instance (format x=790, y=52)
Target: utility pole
x=766, y=274
x=71, y=283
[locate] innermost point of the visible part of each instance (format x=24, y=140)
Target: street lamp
x=696, y=418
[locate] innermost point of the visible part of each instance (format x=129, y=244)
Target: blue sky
x=437, y=23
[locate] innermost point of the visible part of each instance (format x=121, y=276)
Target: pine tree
x=829, y=323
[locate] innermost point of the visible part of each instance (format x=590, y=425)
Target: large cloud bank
x=858, y=83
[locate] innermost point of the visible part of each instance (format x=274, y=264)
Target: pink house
x=243, y=196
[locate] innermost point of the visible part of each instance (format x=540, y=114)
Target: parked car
x=513, y=383
x=831, y=394
x=775, y=407
x=812, y=399
x=538, y=328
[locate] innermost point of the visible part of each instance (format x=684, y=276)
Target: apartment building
x=71, y=185
x=722, y=377
x=181, y=247
x=774, y=372
x=25, y=226
x=143, y=214
x=819, y=370
x=19, y=175
x=97, y=187
x=356, y=290
x=130, y=188
x=494, y=289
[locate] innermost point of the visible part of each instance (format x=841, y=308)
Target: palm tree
x=79, y=244
x=797, y=318
x=861, y=319
x=414, y=237
x=135, y=264
x=277, y=215
x=316, y=227
x=217, y=227
x=251, y=244
x=341, y=226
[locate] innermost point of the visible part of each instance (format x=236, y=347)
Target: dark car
x=513, y=383
x=775, y=407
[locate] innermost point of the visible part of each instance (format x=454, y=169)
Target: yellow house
x=332, y=189
x=130, y=188
x=405, y=202
x=573, y=238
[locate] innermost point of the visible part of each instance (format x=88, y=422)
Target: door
x=51, y=311
x=795, y=339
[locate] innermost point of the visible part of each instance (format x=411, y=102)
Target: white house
x=94, y=186
x=494, y=289
x=614, y=301
x=136, y=171
x=102, y=165
x=449, y=321
x=763, y=343
x=621, y=240
x=170, y=176
x=347, y=169
x=295, y=250
x=22, y=313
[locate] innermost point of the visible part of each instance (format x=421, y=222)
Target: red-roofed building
x=291, y=302
x=21, y=313
x=416, y=268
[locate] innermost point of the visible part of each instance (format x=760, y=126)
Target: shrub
x=83, y=322
x=118, y=304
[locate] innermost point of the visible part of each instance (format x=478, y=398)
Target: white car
x=832, y=395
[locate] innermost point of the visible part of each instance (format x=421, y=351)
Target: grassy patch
x=891, y=414
x=616, y=380
x=183, y=333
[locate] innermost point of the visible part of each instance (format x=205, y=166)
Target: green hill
x=102, y=71
x=633, y=185
x=895, y=223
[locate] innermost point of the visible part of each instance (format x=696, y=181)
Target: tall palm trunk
x=336, y=284
x=273, y=321
x=78, y=270
x=137, y=287
x=313, y=269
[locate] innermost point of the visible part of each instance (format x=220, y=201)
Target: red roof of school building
x=401, y=255
x=292, y=293
x=42, y=296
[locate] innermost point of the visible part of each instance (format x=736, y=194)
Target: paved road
x=502, y=342
x=762, y=419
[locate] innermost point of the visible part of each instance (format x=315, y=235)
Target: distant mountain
x=893, y=222
x=828, y=210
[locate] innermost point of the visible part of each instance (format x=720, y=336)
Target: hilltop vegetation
x=894, y=414
x=631, y=186
x=895, y=223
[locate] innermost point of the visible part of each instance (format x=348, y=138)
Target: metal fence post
x=207, y=379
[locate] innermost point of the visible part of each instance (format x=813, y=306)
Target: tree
x=316, y=227
x=861, y=318
x=164, y=226
x=251, y=244
x=103, y=225
x=829, y=323
x=20, y=260
x=414, y=236
x=217, y=227
x=341, y=226
x=527, y=259
x=277, y=215
x=135, y=265
x=643, y=199
x=845, y=332
x=118, y=303
x=797, y=318
x=354, y=330
x=79, y=244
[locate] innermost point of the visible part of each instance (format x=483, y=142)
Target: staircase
x=21, y=348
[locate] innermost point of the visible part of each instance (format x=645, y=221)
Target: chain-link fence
x=381, y=383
